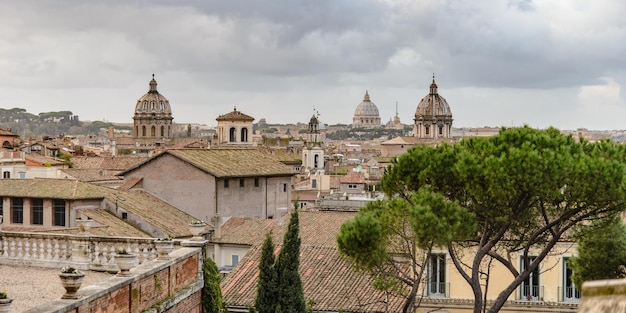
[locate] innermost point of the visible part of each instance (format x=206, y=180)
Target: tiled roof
x=106, y=224
x=40, y=159
x=229, y=162
x=352, y=178
x=235, y=116
x=7, y=132
x=159, y=214
x=327, y=280
x=130, y=183
x=317, y=228
x=91, y=174
x=68, y=189
x=107, y=163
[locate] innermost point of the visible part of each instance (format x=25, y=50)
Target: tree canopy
x=211, y=292
x=526, y=188
x=392, y=239
x=267, y=285
x=290, y=289
x=601, y=251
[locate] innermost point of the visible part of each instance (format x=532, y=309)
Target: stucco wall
x=180, y=184
x=194, y=191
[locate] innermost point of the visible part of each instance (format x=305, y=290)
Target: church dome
x=366, y=114
x=366, y=107
x=153, y=101
x=433, y=105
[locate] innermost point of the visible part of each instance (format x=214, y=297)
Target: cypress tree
x=266, y=285
x=290, y=291
x=211, y=292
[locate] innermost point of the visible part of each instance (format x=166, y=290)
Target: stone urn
x=163, y=248
x=125, y=261
x=5, y=304
x=71, y=282
x=196, y=229
x=84, y=225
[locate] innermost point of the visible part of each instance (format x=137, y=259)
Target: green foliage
x=211, y=292
x=290, y=292
x=389, y=238
x=525, y=187
x=601, y=251
x=267, y=285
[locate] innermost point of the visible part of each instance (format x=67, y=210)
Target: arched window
x=137, y=131
x=316, y=160
x=427, y=130
x=153, y=131
x=244, y=135
x=233, y=135
x=162, y=131
x=143, y=131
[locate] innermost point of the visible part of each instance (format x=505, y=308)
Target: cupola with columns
x=433, y=118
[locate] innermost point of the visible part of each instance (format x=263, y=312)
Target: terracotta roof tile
x=235, y=116
x=107, y=163
x=91, y=174
x=353, y=178
x=157, y=213
x=327, y=280
x=229, y=162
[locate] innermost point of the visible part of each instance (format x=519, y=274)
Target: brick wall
x=157, y=286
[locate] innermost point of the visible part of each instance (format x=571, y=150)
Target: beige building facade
x=234, y=128
x=225, y=182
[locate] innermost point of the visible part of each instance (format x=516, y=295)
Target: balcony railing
x=437, y=290
x=530, y=293
x=58, y=250
x=569, y=295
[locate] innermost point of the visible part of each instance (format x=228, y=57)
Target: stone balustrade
x=81, y=251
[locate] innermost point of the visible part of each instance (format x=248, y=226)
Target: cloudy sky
x=498, y=63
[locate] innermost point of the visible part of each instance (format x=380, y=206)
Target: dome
x=366, y=108
x=153, y=101
x=433, y=106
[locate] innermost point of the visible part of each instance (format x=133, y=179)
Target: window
x=316, y=160
x=569, y=294
x=17, y=210
x=440, y=130
x=530, y=289
x=233, y=135
x=256, y=182
x=1, y=206
x=6, y=174
x=137, y=131
x=242, y=182
x=226, y=183
x=234, y=259
x=284, y=187
x=152, y=131
x=124, y=215
x=244, y=135
x=351, y=186
x=143, y=131
x=58, y=207
x=36, y=209
x=313, y=183
x=162, y=131
x=437, y=276
x=427, y=130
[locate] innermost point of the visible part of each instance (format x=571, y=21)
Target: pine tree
x=290, y=291
x=211, y=292
x=267, y=285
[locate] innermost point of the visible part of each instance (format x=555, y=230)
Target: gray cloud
x=279, y=59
